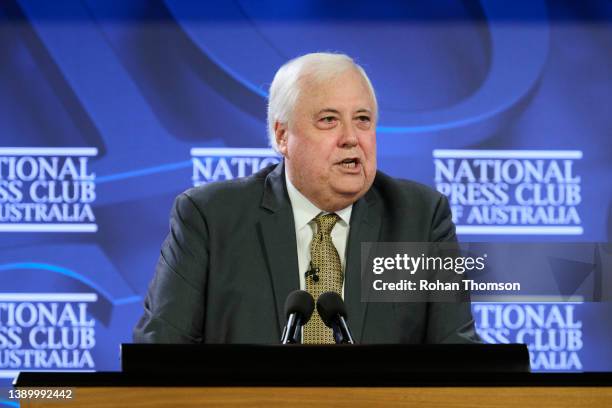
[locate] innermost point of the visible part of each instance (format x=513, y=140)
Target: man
x=236, y=249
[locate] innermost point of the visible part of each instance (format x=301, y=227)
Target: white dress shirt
x=304, y=213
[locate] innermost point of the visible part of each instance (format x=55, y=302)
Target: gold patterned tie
x=325, y=259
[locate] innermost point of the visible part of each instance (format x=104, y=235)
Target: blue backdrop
x=109, y=109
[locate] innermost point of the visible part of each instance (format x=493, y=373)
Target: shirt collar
x=304, y=210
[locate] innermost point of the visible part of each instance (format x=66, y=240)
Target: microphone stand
x=342, y=333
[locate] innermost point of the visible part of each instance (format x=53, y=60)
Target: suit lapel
x=365, y=227
x=277, y=231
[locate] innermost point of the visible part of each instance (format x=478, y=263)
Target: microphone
x=298, y=309
x=312, y=271
x=332, y=310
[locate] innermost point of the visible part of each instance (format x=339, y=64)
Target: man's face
x=329, y=144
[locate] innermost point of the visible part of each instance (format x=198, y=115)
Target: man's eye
x=363, y=118
x=327, y=122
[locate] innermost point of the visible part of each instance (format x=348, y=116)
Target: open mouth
x=350, y=163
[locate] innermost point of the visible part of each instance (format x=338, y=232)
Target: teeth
x=349, y=165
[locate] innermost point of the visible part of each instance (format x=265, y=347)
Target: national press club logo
x=509, y=192
x=217, y=164
x=553, y=332
x=47, y=189
x=46, y=331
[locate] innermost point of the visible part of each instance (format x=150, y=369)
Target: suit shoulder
x=414, y=212
x=241, y=191
x=405, y=191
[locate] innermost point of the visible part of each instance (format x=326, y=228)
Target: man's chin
x=351, y=186
x=353, y=193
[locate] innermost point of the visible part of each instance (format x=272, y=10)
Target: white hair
x=285, y=88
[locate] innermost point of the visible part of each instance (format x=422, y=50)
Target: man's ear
x=281, y=132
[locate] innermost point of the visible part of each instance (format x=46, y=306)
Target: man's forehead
x=346, y=92
x=333, y=104
x=334, y=94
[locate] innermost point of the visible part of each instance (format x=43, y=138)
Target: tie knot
x=326, y=222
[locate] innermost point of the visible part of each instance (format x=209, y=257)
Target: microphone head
x=329, y=306
x=300, y=302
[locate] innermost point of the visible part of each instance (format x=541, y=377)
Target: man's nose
x=349, y=136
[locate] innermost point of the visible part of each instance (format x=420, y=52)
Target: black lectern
x=307, y=376
x=305, y=365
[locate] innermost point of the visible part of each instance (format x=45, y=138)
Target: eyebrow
x=328, y=110
x=337, y=112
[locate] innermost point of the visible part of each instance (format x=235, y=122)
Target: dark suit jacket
x=230, y=260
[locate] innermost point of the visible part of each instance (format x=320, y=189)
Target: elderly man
x=236, y=249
